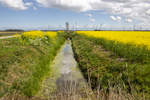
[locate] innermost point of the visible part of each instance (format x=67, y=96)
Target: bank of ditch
x=25, y=63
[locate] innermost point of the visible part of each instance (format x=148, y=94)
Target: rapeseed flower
x=51, y=34
x=132, y=37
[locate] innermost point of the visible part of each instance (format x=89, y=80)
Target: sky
x=81, y=14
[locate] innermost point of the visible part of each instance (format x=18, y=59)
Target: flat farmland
x=75, y=65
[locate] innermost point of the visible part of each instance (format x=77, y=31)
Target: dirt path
x=6, y=37
x=66, y=81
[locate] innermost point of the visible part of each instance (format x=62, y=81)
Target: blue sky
x=37, y=14
x=50, y=16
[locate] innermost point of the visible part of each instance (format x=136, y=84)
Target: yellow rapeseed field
x=134, y=37
x=39, y=34
x=51, y=34
x=33, y=34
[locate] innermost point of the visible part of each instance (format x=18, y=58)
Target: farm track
x=6, y=37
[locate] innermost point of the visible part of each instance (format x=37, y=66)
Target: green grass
x=108, y=69
x=23, y=66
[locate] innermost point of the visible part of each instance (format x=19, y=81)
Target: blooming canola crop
x=51, y=34
x=39, y=34
x=33, y=34
x=132, y=37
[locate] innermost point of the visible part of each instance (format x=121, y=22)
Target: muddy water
x=65, y=82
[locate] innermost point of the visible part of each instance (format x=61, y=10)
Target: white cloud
x=28, y=4
x=117, y=18
x=16, y=4
x=148, y=12
x=75, y=5
x=133, y=9
x=128, y=20
x=89, y=15
x=34, y=8
x=113, y=18
x=92, y=20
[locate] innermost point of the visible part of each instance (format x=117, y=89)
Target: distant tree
x=14, y=30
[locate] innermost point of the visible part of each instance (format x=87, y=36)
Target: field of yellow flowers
x=39, y=34
x=133, y=37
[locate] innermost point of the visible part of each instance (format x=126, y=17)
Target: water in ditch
x=66, y=81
